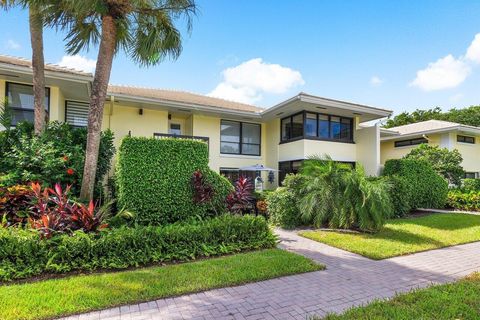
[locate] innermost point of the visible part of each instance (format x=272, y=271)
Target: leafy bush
x=445, y=162
x=336, y=195
x=282, y=208
x=23, y=255
x=240, y=200
x=154, y=179
x=400, y=195
x=15, y=203
x=471, y=184
x=57, y=156
x=427, y=189
x=469, y=201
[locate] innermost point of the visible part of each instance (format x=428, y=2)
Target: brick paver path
x=349, y=280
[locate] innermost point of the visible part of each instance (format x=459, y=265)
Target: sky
x=398, y=55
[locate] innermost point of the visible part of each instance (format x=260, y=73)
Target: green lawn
x=81, y=293
x=459, y=300
x=404, y=236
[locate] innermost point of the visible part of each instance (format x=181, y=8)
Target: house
x=396, y=142
x=238, y=135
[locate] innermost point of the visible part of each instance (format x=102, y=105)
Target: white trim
x=240, y=156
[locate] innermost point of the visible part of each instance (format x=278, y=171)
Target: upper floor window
x=466, y=139
x=313, y=125
x=410, y=142
x=20, y=98
x=76, y=113
x=240, y=138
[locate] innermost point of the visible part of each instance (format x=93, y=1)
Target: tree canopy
x=468, y=116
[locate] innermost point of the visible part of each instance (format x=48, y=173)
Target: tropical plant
x=145, y=30
x=334, y=194
x=464, y=200
x=445, y=162
x=240, y=200
x=202, y=191
x=15, y=204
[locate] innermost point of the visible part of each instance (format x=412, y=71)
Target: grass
x=82, y=293
x=459, y=300
x=405, y=236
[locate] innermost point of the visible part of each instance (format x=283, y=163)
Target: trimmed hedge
x=400, y=195
x=282, y=208
x=427, y=189
x=154, y=179
x=23, y=254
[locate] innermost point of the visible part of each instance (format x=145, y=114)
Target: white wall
x=368, y=149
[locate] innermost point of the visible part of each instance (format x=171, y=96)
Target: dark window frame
x=465, y=139
x=66, y=111
x=350, y=139
x=47, y=92
x=241, y=143
x=410, y=142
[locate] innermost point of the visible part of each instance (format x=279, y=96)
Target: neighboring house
x=398, y=141
x=239, y=135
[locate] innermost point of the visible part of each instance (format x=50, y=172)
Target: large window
x=76, y=113
x=466, y=139
x=240, y=138
x=20, y=98
x=410, y=142
x=313, y=125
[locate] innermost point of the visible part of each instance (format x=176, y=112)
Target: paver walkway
x=349, y=280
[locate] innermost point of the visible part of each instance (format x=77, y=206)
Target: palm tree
x=38, y=63
x=145, y=30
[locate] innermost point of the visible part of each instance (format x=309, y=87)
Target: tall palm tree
x=38, y=63
x=145, y=30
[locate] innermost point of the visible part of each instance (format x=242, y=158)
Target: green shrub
x=23, y=254
x=55, y=156
x=427, y=189
x=399, y=195
x=469, y=201
x=471, y=184
x=282, y=208
x=154, y=179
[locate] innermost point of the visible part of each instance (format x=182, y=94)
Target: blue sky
x=265, y=51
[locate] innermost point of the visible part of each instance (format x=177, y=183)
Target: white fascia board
x=48, y=73
x=462, y=128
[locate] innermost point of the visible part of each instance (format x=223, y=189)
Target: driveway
x=349, y=280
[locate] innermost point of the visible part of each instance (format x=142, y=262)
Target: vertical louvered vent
x=77, y=113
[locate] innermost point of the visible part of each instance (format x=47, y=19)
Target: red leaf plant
x=54, y=212
x=202, y=192
x=240, y=200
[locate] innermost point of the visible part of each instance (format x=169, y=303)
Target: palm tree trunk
x=97, y=100
x=38, y=65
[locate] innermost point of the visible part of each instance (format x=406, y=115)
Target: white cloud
x=473, y=51
x=250, y=79
x=445, y=73
x=376, y=81
x=13, y=45
x=78, y=62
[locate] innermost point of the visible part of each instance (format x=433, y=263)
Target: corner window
x=466, y=139
x=410, y=142
x=76, y=113
x=240, y=138
x=20, y=98
x=318, y=126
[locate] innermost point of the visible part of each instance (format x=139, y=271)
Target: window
x=240, y=138
x=316, y=126
x=286, y=167
x=20, y=97
x=470, y=175
x=232, y=174
x=76, y=113
x=466, y=139
x=410, y=142
x=175, y=129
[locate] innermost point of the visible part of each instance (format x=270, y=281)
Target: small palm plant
x=337, y=195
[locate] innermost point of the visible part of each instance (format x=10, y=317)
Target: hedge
x=427, y=189
x=154, y=179
x=23, y=254
x=469, y=201
x=471, y=184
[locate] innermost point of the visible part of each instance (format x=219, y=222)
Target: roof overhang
x=312, y=103
x=182, y=107
x=460, y=129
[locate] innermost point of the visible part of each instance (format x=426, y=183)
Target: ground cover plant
x=404, y=236
x=464, y=200
x=57, y=297
x=458, y=300
x=26, y=253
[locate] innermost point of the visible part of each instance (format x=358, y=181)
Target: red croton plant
x=49, y=210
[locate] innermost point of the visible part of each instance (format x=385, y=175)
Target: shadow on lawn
x=405, y=237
